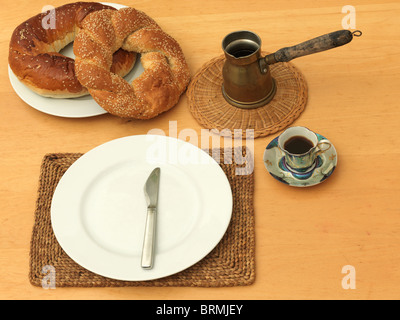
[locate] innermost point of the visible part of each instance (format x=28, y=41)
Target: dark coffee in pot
x=242, y=48
x=298, y=145
x=242, y=53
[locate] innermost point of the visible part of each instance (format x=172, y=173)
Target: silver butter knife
x=151, y=189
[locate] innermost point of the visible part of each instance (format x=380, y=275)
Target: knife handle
x=149, y=239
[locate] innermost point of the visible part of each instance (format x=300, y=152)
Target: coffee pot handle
x=321, y=43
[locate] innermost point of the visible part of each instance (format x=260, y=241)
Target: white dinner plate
x=80, y=107
x=98, y=211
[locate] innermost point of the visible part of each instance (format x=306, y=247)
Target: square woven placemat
x=230, y=263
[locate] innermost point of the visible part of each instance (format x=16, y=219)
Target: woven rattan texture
x=212, y=111
x=230, y=263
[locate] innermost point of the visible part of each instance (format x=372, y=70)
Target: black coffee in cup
x=298, y=145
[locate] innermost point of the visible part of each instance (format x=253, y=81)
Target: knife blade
x=151, y=189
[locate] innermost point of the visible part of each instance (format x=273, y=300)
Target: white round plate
x=98, y=211
x=70, y=108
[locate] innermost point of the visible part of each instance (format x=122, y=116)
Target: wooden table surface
x=304, y=237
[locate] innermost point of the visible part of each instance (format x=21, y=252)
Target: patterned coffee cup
x=301, y=148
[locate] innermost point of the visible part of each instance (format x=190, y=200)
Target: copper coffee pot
x=247, y=81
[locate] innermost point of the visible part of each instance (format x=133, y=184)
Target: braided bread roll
x=34, y=52
x=165, y=76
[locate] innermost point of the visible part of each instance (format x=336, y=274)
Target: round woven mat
x=211, y=110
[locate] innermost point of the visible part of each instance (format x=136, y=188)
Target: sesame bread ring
x=165, y=76
x=34, y=47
